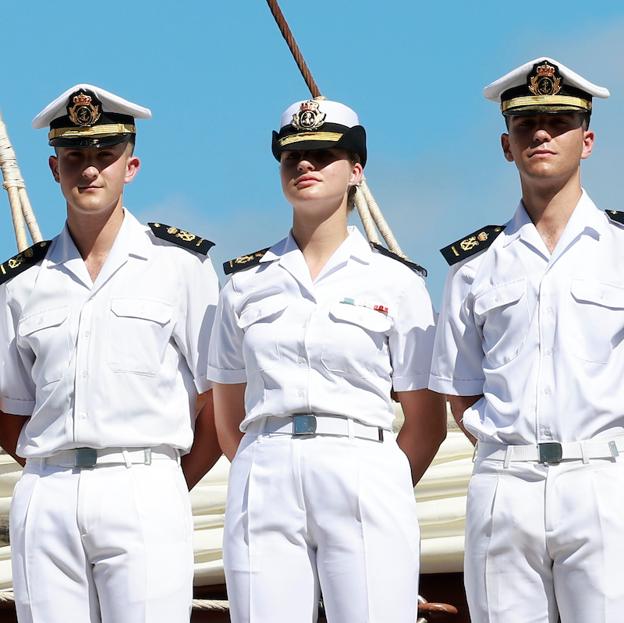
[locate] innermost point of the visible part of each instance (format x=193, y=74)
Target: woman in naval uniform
x=311, y=337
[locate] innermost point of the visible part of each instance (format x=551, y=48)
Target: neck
x=94, y=235
x=550, y=206
x=319, y=238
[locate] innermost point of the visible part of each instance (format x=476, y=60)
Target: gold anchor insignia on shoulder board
x=471, y=244
x=23, y=261
x=244, y=261
x=181, y=238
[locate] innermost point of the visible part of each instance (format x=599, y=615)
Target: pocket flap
x=367, y=318
x=260, y=310
x=146, y=309
x=598, y=293
x=500, y=296
x=42, y=320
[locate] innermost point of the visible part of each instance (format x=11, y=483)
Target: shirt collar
x=585, y=217
x=354, y=245
x=128, y=240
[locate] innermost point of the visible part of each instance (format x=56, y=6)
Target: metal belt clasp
x=550, y=452
x=304, y=424
x=86, y=457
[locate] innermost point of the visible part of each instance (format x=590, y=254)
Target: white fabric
x=301, y=349
x=540, y=335
x=111, y=544
x=334, y=512
x=518, y=77
x=544, y=541
x=114, y=363
x=110, y=103
x=440, y=495
x=570, y=450
x=335, y=113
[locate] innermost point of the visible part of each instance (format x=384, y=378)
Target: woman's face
x=318, y=178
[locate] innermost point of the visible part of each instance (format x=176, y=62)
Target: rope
x=282, y=24
x=16, y=189
x=365, y=216
x=7, y=598
x=380, y=221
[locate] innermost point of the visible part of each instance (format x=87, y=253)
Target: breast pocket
x=260, y=322
x=356, y=340
x=597, y=319
x=46, y=334
x=503, y=315
x=140, y=330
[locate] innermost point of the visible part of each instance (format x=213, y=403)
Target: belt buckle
x=304, y=424
x=550, y=452
x=86, y=457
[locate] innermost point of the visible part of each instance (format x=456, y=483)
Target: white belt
x=306, y=424
x=552, y=452
x=92, y=457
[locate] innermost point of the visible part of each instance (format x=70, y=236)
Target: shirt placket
x=81, y=387
x=547, y=314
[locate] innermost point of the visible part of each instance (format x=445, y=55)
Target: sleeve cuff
x=226, y=376
x=410, y=383
x=203, y=385
x=12, y=406
x=456, y=387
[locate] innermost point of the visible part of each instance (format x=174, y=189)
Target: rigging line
x=294, y=48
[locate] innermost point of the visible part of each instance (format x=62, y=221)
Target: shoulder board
x=618, y=217
x=415, y=267
x=24, y=260
x=243, y=261
x=472, y=244
x=181, y=237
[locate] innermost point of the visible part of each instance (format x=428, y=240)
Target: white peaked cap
x=111, y=103
x=518, y=77
x=335, y=113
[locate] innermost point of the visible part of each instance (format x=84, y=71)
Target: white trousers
x=321, y=514
x=111, y=544
x=545, y=541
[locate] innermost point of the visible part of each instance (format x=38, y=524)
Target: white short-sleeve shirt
x=540, y=335
x=113, y=363
x=336, y=345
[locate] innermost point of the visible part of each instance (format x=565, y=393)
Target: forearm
x=229, y=403
x=424, y=429
x=459, y=404
x=10, y=428
x=205, y=451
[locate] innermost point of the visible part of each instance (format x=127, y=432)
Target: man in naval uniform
x=530, y=350
x=103, y=335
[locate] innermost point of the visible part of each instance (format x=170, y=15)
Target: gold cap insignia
x=545, y=80
x=308, y=117
x=84, y=110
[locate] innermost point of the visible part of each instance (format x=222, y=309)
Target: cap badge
x=308, y=117
x=85, y=110
x=545, y=80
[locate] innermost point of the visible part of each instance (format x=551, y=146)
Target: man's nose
x=542, y=135
x=90, y=172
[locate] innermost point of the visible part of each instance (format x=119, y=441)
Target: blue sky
x=217, y=75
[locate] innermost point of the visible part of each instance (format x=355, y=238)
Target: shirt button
x=547, y=391
x=548, y=352
x=301, y=360
x=301, y=393
x=84, y=374
x=86, y=334
x=82, y=415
